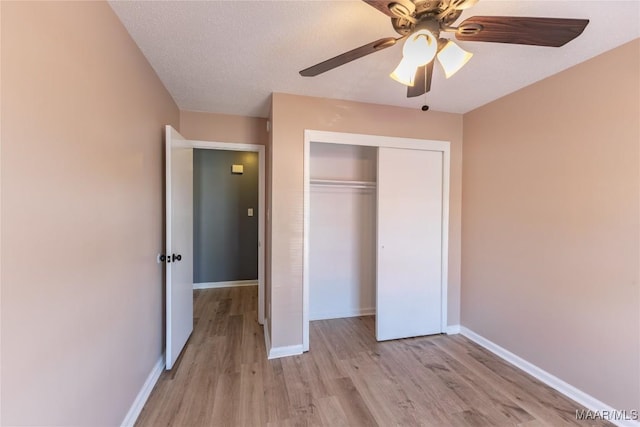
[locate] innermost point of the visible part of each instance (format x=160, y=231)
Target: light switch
x=237, y=169
x=250, y=212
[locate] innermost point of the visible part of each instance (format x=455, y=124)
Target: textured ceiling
x=229, y=56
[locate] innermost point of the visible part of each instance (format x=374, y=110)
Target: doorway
x=225, y=219
x=260, y=214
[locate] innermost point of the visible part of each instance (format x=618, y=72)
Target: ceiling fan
x=421, y=22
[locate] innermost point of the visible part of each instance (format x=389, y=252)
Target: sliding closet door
x=409, y=256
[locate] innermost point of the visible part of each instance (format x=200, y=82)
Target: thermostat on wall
x=237, y=169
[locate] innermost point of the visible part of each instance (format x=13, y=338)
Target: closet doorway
x=179, y=236
x=376, y=232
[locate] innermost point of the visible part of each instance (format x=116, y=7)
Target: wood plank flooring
x=223, y=378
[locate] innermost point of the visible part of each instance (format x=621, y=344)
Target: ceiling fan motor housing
x=420, y=10
x=430, y=24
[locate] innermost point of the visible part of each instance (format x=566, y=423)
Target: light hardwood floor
x=223, y=378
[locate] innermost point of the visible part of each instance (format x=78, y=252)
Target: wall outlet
x=250, y=212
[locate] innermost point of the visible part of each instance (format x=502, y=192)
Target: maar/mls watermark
x=608, y=415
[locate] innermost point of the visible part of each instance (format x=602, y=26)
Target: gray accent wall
x=225, y=238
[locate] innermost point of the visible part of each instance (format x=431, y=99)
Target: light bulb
x=452, y=58
x=419, y=49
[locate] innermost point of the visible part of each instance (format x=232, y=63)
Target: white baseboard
x=276, y=353
x=232, y=284
x=289, y=350
x=355, y=312
x=143, y=394
x=452, y=329
x=586, y=400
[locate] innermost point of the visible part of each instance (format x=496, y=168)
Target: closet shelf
x=342, y=183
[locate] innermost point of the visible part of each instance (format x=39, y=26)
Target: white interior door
x=409, y=256
x=179, y=243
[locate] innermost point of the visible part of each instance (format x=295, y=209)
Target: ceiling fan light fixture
x=405, y=72
x=452, y=58
x=419, y=49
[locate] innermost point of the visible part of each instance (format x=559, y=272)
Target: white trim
x=220, y=145
x=372, y=141
x=231, y=284
x=552, y=381
x=262, y=209
x=267, y=338
x=354, y=312
x=260, y=149
x=289, y=350
x=453, y=329
x=306, y=222
x=444, y=273
x=133, y=413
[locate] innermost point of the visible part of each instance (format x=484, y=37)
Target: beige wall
x=551, y=225
x=82, y=201
x=291, y=116
x=223, y=128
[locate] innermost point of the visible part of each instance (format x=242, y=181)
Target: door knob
x=175, y=257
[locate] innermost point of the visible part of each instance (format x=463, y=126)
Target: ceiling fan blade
x=342, y=59
x=554, y=32
x=381, y=5
x=422, y=81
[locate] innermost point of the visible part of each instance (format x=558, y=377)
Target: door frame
x=260, y=149
x=372, y=141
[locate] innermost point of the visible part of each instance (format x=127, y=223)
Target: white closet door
x=409, y=293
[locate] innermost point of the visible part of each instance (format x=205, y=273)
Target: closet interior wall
x=342, y=234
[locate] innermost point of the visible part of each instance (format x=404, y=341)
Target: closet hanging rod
x=342, y=183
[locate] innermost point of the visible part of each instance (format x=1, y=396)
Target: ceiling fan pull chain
x=425, y=107
x=424, y=86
